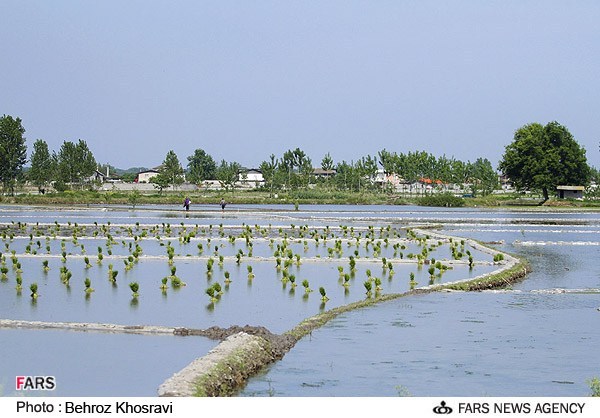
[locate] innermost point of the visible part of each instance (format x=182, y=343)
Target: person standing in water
x=186, y=203
x=223, y=204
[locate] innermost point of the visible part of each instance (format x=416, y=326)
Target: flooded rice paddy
x=488, y=343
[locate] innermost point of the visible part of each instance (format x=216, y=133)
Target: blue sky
x=246, y=79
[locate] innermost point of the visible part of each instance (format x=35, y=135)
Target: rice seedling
x=378, y=288
x=4, y=271
x=88, y=286
x=250, y=274
x=412, y=281
x=323, y=293
x=210, y=291
x=112, y=274
x=431, y=271
x=346, y=283
x=135, y=287
x=306, y=286
x=33, y=287
x=86, y=260
x=368, y=287
x=65, y=275
x=227, y=279
x=164, y=282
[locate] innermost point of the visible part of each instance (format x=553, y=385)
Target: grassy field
x=300, y=197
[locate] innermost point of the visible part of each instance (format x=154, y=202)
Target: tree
x=228, y=174
x=13, y=151
x=269, y=171
x=171, y=172
x=327, y=163
x=201, y=166
x=42, y=165
x=75, y=162
x=543, y=157
x=484, y=177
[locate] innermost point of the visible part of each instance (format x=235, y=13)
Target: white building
x=145, y=176
x=252, y=178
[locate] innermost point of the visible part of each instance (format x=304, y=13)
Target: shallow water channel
x=418, y=345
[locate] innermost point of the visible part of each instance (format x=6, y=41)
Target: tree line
x=539, y=158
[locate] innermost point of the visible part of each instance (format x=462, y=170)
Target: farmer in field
x=223, y=204
x=186, y=203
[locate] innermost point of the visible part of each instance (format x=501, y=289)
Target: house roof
x=320, y=171
x=573, y=188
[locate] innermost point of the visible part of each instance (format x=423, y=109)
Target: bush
x=443, y=200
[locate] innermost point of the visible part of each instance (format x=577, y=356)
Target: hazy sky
x=246, y=79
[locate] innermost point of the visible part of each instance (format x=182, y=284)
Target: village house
x=570, y=192
x=252, y=178
x=320, y=173
x=145, y=176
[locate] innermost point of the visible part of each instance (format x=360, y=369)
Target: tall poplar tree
x=13, y=151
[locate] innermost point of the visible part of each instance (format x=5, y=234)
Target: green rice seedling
x=352, y=265
x=210, y=291
x=176, y=282
x=306, y=286
x=135, y=287
x=66, y=276
x=218, y=288
x=323, y=293
x=341, y=270
x=88, y=285
x=412, y=281
x=33, y=287
x=377, y=284
x=431, y=271
x=292, y=279
x=368, y=287
x=164, y=282
x=19, y=286
x=112, y=274
x=4, y=271
x=250, y=274
x=471, y=262
x=227, y=279
x=346, y=283
x=86, y=260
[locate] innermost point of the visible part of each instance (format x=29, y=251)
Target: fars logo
x=36, y=382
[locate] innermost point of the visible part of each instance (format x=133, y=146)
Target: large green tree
x=171, y=172
x=228, y=174
x=42, y=165
x=201, y=166
x=543, y=157
x=484, y=178
x=75, y=162
x=13, y=151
